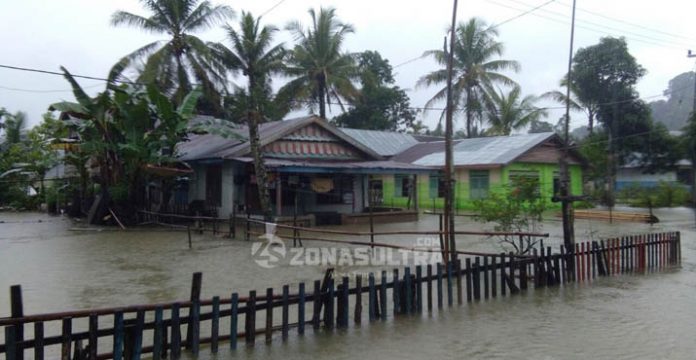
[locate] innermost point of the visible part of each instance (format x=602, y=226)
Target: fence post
x=269, y=315
x=383, y=296
x=17, y=311
x=301, y=309
x=250, y=319
x=66, y=338
x=234, y=319
x=358, y=299
x=195, y=299
x=11, y=352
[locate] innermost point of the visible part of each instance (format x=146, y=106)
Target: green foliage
x=321, y=72
x=125, y=128
x=511, y=111
x=516, y=208
x=379, y=106
x=176, y=64
x=475, y=67
x=665, y=194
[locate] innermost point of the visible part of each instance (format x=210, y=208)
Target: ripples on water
x=625, y=317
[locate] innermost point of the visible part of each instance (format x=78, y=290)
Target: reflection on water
x=626, y=317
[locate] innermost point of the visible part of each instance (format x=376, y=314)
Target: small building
x=483, y=165
x=633, y=174
x=314, y=170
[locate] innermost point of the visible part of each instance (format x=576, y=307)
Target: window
x=478, y=184
x=526, y=182
x=402, y=185
x=341, y=186
x=213, y=185
x=437, y=186
x=375, y=192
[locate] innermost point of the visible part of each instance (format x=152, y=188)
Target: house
x=483, y=165
x=316, y=169
x=633, y=174
x=313, y=169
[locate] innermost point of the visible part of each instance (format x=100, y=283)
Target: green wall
x=462, y=200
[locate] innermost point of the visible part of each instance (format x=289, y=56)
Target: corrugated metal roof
x=385, y=143
x=378, y=164
x=497, y=150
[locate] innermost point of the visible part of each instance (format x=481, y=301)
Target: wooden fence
x=156, y=329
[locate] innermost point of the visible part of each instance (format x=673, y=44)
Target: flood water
x=623, y=317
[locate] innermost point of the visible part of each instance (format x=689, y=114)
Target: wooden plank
x=450, y=294
x=138, y=332
x=419, y=288
x=523, y=275
x=486, y=284
x=396, y=289
x=269, y=314
x=343, y=315
x=494, y=276
x=383, y=296
x=329, y=306
x=301, y=309
x=372, y=298
x=194, y=335
x=286, y=312
x=458, y=277
x=439, y=285
x=317, y=298
x=503, y=285
x=357, y=315
x=476, y=284
x=93, y=337
x=469, y=280
x=234, y=320
x=118, y=336
x=158, y=336
x=215, y=325
x=250, y=319
x=38, y=340
x=11, y=343
x=66, y=336
x=17, y=311
x=429, y=286
x=176, y=331
x=408, y=299
x=196, y=283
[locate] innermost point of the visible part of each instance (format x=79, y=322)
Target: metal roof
x=387, y=165
x=385, y=143
x=212, y=146
x=498, y=150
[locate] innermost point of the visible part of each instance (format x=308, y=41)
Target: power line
x=564, y=22
x=45, y=91
x=61, y=74
x=490, y=27
x=272, y=8
x=522, y=3
x=631, y=24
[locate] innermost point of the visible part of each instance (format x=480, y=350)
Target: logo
x=268, y=250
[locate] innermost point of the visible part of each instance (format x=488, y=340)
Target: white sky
x=45, y=34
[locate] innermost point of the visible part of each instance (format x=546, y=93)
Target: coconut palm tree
x=588, y=107
x=475, y=67
x=175, y=64
x=511, y=111
x=14, y=126
x=254, y=55
x=322, y=72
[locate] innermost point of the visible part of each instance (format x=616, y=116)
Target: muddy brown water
x=624, y=317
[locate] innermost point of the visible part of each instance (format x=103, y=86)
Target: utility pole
x=565, y=198
x=449, y=164
x=693, y=150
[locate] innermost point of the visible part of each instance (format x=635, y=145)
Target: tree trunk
x=590, y=118
x=322, y=101
x=468, y=112
x=253, y=117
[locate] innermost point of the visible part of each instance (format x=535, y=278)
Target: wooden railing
x=156, y=329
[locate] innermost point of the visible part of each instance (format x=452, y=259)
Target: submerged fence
x=164, y=330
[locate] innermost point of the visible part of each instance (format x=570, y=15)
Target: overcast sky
x=45, y=34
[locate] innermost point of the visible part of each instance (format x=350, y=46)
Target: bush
x=665, y=194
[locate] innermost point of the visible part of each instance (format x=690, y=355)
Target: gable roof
x=486, y=151
x=385, y=143
x=212, y=146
